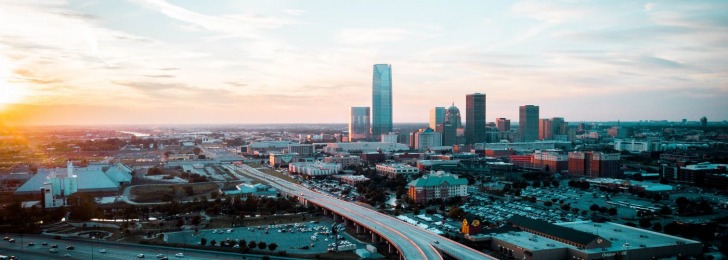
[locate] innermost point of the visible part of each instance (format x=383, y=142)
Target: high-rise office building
x=452, y=115
x=545, y=129
x=528, y=123
x=381, y=100
x=359, y=124
x=449, y=133
x=437, y=116
x=475, y=118
x=503, y=124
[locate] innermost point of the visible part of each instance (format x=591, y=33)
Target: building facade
x=426, y=138
x=439, y=185
x=503, y=124
x=528, y=123
x=475, y=118
x=437, y=116
x=359, y=124
x=595, y=164
x=391, y=170
x=381, y=100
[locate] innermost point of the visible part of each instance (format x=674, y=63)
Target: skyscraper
x=437, y=116
x=528, y=123
x=359, y=124
x=475, y=118
x=381, y=100
x=545, y=129
x=503, y=124
x=452, y=115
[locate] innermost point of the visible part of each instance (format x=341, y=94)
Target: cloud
x=243, y=25
x=370, y=36
x=649, y=6
x=294, y=11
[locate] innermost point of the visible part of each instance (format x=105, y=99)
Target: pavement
x=411, y=241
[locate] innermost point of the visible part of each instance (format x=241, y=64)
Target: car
x=6, y=238
x=179, y=255
x=44, y=244
x=103, y=251
x=437, y=242
x=54, y=246
x=70, y=247
x=11, y=240
x=53, y=250
x=67, y=255
x=31, y=243
x=140, y=256
x=164, y=258
x=160, y=255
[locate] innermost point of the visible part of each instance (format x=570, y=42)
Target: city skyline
x=149, y=61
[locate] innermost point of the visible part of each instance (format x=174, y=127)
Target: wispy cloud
x=369, y=36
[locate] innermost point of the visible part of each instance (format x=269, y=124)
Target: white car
x=179, y=255
x=103, y=251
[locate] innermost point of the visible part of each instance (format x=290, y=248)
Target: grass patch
x=155, y=193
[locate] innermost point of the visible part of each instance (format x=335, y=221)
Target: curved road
x=411, y=241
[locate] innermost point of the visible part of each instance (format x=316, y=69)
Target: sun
x=11, y=94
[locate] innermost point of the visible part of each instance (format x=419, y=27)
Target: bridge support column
x=374, y=237
x=326, y=212
x=358, y=229
x=389, y=247
x=346, y=222
x=336, y=217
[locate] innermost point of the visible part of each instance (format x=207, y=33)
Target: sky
x=238, y=62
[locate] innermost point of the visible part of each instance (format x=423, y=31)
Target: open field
x=156, y=192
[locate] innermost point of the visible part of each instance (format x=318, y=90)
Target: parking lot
x=299, y=238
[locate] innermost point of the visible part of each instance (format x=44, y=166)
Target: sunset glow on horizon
x=181, y=62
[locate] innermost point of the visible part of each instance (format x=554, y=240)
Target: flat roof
x=622, y=235
x=530, y=241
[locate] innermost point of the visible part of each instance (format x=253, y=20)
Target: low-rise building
x=391, y=170
x=351, y=179
x=586, y=240
x=344, y=160
x=439, y=185
x=315, y=168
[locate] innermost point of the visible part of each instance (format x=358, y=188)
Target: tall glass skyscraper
x=381, y=100
x=475, y=118
x=528, y=123
x=359, y=124
x=437, y=116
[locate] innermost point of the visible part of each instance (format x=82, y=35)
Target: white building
x=364, y=147
x=427, y=138
x=391, y=170
x=344, y=160
x=314, y=169
x=391, y=137
x=58, y=187
x=632, y=146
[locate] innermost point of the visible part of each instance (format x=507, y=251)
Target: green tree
x=272, y=246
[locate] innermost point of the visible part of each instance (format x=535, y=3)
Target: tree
x=612, y=211
x=645, y=223
x=272, y=246
x=594, y=207
x=262, y=245
x=548, y=203
x=203, y=241
x=252, y=244
x=213, y=242
x=657, y=227
x=456, y=212
x=196, y=220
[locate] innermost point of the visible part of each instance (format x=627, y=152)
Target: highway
x=87, y=249
x=411, y=241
